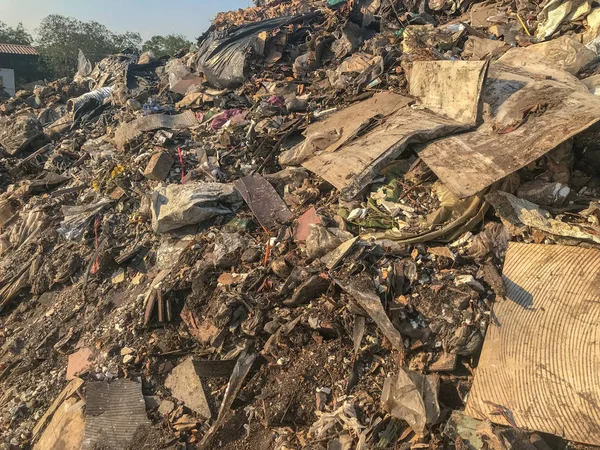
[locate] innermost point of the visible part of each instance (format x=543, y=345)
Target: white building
x=7, y=81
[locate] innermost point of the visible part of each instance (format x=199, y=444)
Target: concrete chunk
x=185, y=385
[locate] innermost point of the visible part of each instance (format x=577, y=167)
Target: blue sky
x=148, y=17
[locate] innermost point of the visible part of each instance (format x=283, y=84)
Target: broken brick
x=159, y=166
x=79, y=362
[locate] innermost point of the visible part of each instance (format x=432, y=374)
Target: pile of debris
x=342, y=224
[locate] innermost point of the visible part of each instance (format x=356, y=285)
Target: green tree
x=166, y=45
x=18, y=35
x=60, y=38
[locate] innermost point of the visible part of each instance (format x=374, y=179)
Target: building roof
x=18, y=49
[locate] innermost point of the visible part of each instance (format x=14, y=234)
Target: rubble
x=331, y=225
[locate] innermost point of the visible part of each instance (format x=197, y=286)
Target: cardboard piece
x=563, y=53
x=480, y=13
x=349, y=120
x=529, y=118
x=541, y=355
x=449, y=88
x=477, y=48
x=355, y=164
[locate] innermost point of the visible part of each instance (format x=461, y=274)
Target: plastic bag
x=176, y=206
x=494, y=238
x=322, y=240
x=84, y=67
x=413, y=397
x=556, y=12
x=177, y=71
x=222, y=55
x=78, y=217
x=97, y=97
x=360, y=68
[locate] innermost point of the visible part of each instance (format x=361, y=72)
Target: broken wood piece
x=150, y=302
x=185, y=385
x=333, y=258
x=161, y=307
x=65, y=430
x=67, y=392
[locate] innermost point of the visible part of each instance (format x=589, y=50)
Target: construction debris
x=332, y=225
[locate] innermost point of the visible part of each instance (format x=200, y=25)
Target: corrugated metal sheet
x=114, y=412
x=18, y=49
x=541, y=355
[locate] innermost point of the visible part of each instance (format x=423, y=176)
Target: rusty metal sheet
x=541, y=355
x=264, y=201
x=114, y=412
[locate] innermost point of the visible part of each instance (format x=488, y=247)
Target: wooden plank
x=68, y=391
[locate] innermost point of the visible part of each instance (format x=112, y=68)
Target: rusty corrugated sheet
x=18, y=49
x=114, y=412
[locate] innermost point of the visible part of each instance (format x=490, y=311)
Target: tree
x=166, y=45
x=18, y=35
x=60, y=38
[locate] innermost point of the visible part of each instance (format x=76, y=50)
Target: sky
x=148, y=17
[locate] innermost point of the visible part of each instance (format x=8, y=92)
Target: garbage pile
x=331, y=225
